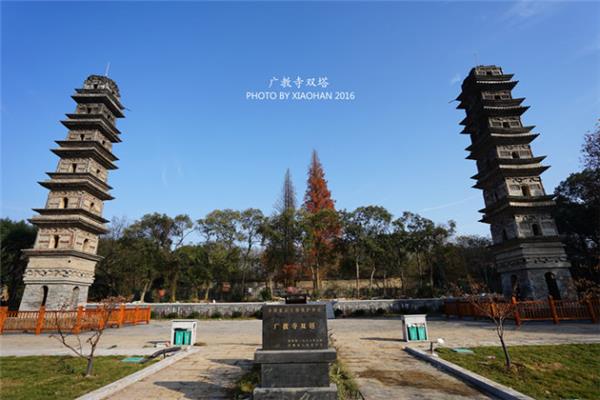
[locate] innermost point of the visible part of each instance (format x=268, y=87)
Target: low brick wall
x=345, y=307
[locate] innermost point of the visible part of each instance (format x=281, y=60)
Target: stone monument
x=61, y=263
x=295, y=357
x=529, y=254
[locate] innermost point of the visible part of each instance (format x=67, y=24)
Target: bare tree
x=495, y=307
x=106, y=308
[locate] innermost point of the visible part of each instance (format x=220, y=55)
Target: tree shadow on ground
x=197, y=389
x=242, y=363
x=380, y=339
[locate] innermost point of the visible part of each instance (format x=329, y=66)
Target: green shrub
x=216, y=315
x=193, y=315
x=359, y=313
x=380, y=311
x=265, y=294
x=257, y=314
x=338, y=313
x=172, y=315
x=236, y=314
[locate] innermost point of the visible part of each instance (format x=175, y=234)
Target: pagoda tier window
x=64, y=202
x=515, y=154
x=74, y=168
x=55, y=241
x=92, y=206
x=535, y=229
x=525, y=191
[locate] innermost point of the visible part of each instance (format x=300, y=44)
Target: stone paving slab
x=210, y=373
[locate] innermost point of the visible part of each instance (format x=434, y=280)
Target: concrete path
x=374, y=353
x=209, y=374
x=371, y=348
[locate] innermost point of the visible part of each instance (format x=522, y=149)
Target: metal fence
x=75, y=321
x=532, y=310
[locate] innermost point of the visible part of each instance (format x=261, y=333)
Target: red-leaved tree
x=320, y=223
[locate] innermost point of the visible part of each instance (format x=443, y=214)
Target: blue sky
x=192, y=142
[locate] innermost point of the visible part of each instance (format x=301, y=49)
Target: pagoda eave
x=511, y=243
x=90, y=98
x=495, y=85
x=91, y=152
x=78, y=176
x=87, y=144
x=71, y=211
x=494, y=140
x=65, y=221
x=103, y=92
x=61, y=253
x=77, y=185
x=504, y=111
x=518, y=203
x=78, y=124
x=503, y=102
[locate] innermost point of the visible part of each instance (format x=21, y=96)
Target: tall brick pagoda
x=61, y=263
x=529, y=254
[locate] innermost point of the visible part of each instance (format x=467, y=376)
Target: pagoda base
x=535, y=271
x=55, y=296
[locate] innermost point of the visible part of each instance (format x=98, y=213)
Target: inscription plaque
x=294, y=327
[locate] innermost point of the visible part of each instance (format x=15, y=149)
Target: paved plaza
x=370, y=347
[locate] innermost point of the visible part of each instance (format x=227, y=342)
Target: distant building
x=61, y=263
x=529, y=254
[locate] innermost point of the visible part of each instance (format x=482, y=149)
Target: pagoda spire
x=61, y=263
x=529, y=254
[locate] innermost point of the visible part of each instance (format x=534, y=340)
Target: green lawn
x=570, y=371
x=56, y=377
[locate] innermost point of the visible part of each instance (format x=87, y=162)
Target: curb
x=122, y=383
x=484, y=384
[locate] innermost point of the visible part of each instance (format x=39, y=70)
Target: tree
x=251, y=221
x=14, y=237
x=105, y=309
x=221, y=232
x=494, y=307
x=288, y=195
x=321, y=222
x=591, y=149
x=167, y=234
x=577, y=213
x=318, y=233
x=362, y=232
x=423, y=236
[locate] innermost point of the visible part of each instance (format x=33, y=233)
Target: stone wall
x=345, y=307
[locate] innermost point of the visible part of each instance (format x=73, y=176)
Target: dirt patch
x=417, y=379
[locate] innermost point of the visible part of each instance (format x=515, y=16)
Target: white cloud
x=448, y=205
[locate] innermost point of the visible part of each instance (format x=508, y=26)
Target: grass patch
x=569, y=371
x=346, y=385
x=246, y=384
x=58, y=377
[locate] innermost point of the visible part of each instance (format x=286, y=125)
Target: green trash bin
x=412, y=332
x=178, y=337
x=187, y=338
x=422, y=333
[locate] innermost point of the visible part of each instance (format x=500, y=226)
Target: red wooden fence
x=81, y=319
x=533, y=310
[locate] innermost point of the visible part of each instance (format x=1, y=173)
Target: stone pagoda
x=61, y=263
x=529, y=254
